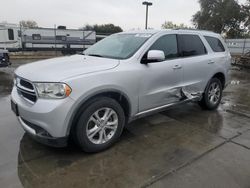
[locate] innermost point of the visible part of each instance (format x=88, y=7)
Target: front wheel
x=212, y=95
x=99, y=125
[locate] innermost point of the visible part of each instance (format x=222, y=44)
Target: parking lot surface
x=180, y=147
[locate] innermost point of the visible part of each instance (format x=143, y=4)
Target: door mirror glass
x=155, y=56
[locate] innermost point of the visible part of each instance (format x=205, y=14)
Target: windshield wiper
x=80, y=53
x=95, y=55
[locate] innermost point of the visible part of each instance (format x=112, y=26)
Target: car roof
x=169, y=31
x=148, y=31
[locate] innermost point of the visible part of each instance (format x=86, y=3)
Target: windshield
x=119, y=46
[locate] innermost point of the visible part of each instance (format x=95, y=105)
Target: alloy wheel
x=214, y=93
x=102, y=125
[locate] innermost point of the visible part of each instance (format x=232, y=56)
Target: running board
x=162, y=108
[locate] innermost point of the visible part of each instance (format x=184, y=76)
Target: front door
x=161, y=82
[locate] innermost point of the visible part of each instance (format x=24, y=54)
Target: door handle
x=177, y=67
x=211, y=62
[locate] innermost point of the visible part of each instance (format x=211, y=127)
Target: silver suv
x=90, y=97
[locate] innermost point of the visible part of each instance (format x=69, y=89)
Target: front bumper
x=46, y=120
x=41, y=137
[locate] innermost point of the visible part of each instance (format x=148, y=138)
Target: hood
x=59, y=69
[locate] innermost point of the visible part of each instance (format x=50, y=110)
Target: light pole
x=147, y=5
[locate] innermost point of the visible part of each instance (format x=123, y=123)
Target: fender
x=72, y=114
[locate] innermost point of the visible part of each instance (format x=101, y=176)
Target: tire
x=91, y=126
x=212, y=97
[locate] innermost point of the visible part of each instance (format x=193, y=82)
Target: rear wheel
x=212, y=95
x=99, y=125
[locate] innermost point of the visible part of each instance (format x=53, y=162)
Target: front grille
x=26, y=84
x=26, y=90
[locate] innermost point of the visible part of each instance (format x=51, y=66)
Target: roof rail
x=190, y=29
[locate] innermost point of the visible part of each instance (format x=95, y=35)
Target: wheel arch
x=221, y=77
x=117, y=95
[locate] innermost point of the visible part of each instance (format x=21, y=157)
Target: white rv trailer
x=14, y=38
x=9, y=38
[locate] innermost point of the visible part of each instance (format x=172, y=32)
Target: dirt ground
x=181, y=147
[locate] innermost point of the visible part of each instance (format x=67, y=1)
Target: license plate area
x=14, y=108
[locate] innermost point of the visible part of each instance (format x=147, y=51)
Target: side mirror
x=154, y=56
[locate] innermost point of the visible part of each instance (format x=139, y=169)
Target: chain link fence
x=238, y=46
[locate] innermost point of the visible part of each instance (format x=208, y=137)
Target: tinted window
x=36, y=37
x=191, y=45
x=167, y=44
x=59, y=37
x=215, y=44
x=11, y=34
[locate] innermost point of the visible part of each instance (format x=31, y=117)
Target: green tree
x=28, y=24
x=246, y=9
x=171, y=25
x=220, y=16
x=88, y=27
x=103, y=29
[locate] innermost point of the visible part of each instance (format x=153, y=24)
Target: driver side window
x=167, y=44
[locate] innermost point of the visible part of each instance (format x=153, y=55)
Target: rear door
x=195, y=62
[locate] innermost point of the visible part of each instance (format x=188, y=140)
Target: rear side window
x=215, y=44
x=11, y=34
x=191, y=45
x=167, y=44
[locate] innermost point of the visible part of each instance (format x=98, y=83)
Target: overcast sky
x=128, y=14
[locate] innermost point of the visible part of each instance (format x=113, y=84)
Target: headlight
x=52, y=90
